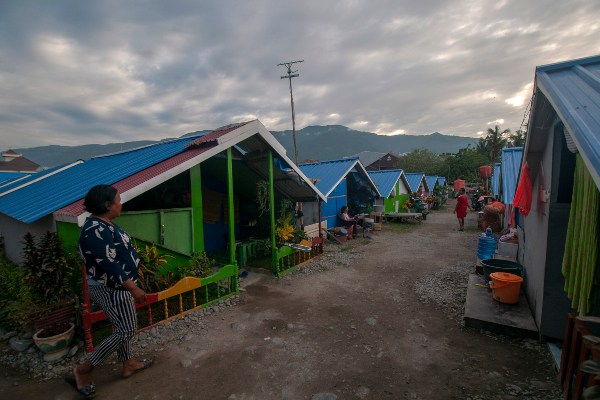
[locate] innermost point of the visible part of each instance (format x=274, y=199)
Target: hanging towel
x=581, y=245
x=524, y=191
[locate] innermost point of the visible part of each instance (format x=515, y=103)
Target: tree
x=464, y=164
x=517, y=139
x=422, y=160
x=491, y=146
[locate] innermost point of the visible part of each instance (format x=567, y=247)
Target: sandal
x=86, y=392
x=147, y=364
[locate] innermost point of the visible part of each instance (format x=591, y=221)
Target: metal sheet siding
x=573, y=89
x=414, y=180
x=54, y=192
x=329, y=173
x=385, y=180
x=511, y=164
x=496, y=179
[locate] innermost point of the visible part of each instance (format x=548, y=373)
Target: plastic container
x=459, y=183
x=508, y=249
x=496, y=265
x=487, y=245
x=485, y=171
x=505, y=287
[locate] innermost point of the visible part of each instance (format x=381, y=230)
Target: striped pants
x=120, y=309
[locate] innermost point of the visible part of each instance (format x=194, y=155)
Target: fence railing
x=187, y=295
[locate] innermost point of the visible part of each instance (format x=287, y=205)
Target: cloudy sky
x=77, y=72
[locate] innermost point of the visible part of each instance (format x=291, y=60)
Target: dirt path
x=356, y=331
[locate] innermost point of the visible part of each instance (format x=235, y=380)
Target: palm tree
x=518, y=138
x=493, y=143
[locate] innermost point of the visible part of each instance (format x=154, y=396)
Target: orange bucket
x=505, y=287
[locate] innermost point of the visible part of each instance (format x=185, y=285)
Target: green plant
x=199, y=266
x=155, y=272
x=46, y=270
x=262, y=196
x=15, y=298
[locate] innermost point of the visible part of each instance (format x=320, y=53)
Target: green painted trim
x=274, y=259
x=231, y=208
x=68, y=234
x=197, y=210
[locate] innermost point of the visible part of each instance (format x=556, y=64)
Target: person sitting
x=348, y=222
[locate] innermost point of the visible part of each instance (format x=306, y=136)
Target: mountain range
x=313, y=142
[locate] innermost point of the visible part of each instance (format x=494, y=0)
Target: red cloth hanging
x=522, y=199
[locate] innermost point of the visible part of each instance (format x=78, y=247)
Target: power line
x=292, y=74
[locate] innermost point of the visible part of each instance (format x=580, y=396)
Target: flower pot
x=55, y=347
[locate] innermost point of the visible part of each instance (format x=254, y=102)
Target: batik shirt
x=108, y=253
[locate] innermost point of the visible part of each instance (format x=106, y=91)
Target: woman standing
x=462, y=203
x=111, y=263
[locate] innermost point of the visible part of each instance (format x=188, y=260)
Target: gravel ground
x=445, y=288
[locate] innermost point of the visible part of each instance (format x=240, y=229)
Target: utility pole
x=292, y=74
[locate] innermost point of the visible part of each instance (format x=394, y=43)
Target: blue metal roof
x=511, y=164
x=7, y=176
x=573, y=90
x=414, y=180
x=54, y=191
x=431, y=180
x=441, y=180
x=329, y=173
x=496, y=180
x=386, y=180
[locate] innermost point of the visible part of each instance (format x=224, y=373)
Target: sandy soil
x=357, y=332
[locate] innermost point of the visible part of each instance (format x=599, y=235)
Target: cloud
x=99, y=72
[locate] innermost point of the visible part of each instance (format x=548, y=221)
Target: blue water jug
x=487, y=245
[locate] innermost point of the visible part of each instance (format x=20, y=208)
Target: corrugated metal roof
x=441, y=180
x=47, y=195
x=330, y=173
x=573, y=90
x=431, y=180
x=137, y=170
x=9, y=176
x=511, y=164
x=414, y=180
x=496, y=180
x=386, y=180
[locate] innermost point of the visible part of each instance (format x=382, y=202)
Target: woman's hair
x=97, y=198
x=344, y=208
x=461, y=190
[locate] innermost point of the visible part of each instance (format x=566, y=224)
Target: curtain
x=581, y=247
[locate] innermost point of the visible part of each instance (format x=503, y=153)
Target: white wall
x=13, y=232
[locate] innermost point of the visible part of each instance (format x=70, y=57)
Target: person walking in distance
x=462, y=203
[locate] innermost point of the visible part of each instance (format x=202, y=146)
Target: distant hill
x=314, y=142
x=336, y=141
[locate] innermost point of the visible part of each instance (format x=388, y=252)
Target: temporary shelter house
x=186, y=195
x=342, y=182
x=417, y=182
x=559, y=181
x=394, y=189
x=432, y=181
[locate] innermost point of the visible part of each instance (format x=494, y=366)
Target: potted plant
x=52, y=310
